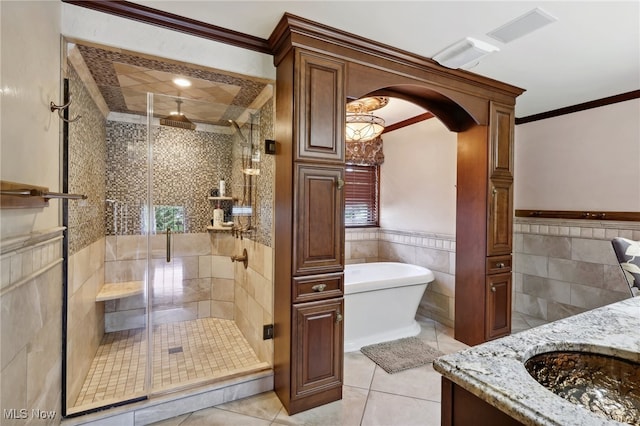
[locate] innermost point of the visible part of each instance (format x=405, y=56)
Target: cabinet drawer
x=318, y=287
x=498, y=264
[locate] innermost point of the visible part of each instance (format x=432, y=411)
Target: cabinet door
x=500, y=218
x=498, y=306
x=321, y=104
x=501, y=142
x=318, y=219
x=318, y=346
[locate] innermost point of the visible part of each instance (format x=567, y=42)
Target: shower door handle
x=168, y=245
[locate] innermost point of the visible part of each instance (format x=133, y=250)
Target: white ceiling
x=591, y=52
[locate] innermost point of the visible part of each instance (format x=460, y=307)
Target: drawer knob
x=500, y=265
x=338, y=316
x=493, y=289
x=319, y=287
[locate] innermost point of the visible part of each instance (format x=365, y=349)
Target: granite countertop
x=494, y=371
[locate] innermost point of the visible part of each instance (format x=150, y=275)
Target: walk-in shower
x=154, y=303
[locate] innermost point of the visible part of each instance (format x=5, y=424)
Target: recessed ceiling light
x=182, y=82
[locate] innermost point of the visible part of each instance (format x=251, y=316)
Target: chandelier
x=361, y=124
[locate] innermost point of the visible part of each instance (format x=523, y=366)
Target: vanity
x=489, y=382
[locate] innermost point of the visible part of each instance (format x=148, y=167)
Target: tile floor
x=183, y=352
x=370, y=395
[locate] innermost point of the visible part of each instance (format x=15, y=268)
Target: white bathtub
x=380, y=302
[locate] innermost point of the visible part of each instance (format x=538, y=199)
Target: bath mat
x=402, y=354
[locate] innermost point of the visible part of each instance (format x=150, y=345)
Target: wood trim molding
x=408, y=122
x=148, y=15
x=580, y=107
x=295, y=31
x=585, y=215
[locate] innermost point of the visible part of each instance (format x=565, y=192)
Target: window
x=169, y=217
x=362, y=194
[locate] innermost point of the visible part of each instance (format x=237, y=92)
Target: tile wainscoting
x=31, y=324
x=433, y=251
x=85, y=317
x=253, y=296
x=561, y=267
x=564, y=267
x=200, y=282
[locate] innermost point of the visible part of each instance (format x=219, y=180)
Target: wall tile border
x=601, y=230
x=414, y=238
x=26, y=257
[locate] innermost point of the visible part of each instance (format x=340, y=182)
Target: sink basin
x=607, y=385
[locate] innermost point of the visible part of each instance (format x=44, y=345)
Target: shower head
x=235, y=125
x=177, y=119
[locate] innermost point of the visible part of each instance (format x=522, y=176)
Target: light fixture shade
x=463, y=53
x=363, y=127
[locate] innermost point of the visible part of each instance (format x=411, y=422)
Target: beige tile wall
x=433, y=251
x=85, y=316
x=197, y=283
x=254, y=296
x=30, y=324
x=562, y=268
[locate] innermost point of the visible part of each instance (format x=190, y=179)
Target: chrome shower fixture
x=235, y=125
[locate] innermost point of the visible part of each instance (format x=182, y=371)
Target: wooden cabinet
x=498, y=305
x=500, y=217
x=460, y=407
x=501, y=127
x=318, y=340
x=485, y=241
x=318, y=70
x=318, y=219
x=321, y=108
x=309, y=231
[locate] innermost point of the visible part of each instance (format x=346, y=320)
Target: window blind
x=361, y=195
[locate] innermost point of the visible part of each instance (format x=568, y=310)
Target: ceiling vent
x=522, y=25
x=464, y=53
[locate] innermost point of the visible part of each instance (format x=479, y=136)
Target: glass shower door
x=187, y=164
x=106, y=351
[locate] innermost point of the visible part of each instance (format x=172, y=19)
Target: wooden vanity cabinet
x=309, y=231
x=460, y=407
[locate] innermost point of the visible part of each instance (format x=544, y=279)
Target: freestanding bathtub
x=380, y=302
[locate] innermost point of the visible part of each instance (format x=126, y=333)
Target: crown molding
x=148, y=15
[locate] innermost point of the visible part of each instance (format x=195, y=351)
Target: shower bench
x=111, y=291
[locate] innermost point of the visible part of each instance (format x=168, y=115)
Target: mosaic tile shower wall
x=267, y=178
x=261, y=186
x=187, y=164
x=87, y=167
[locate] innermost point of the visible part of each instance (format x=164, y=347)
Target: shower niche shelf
x=112, y=291
x=222, y=228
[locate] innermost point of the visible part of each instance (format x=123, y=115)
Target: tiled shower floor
x=183, y=353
